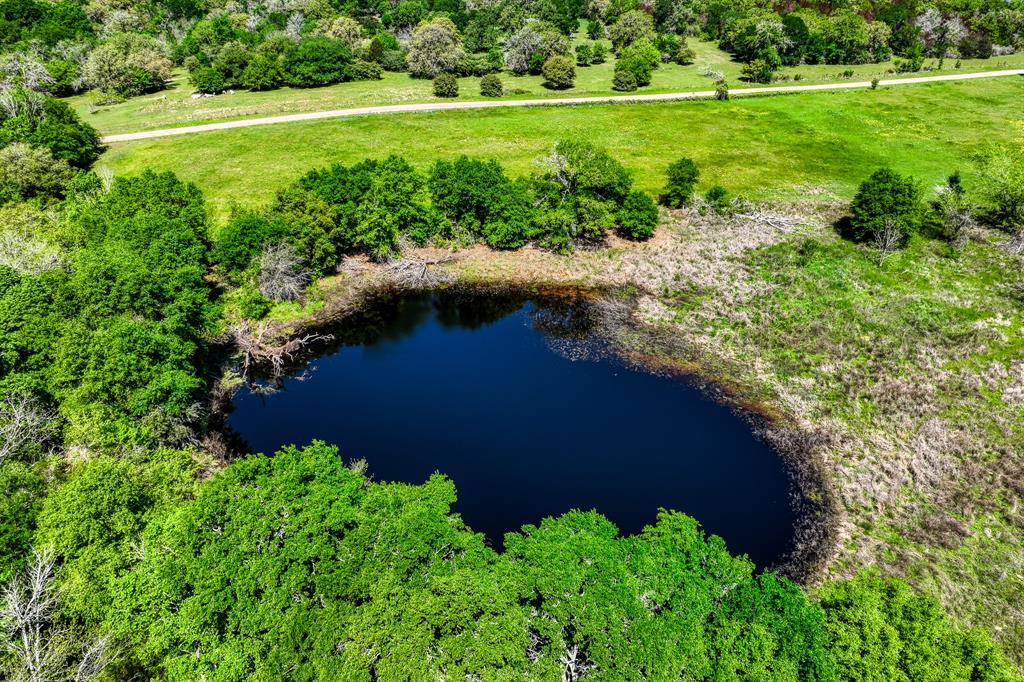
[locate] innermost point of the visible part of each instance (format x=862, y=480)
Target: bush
x=559, y=73
x=595, y=29
x=584, y=52
x=641, y=59
x=478, y=198
x=366, y=71
x=207, y=80
x=721, y=91
x=717, y=199
x=262, y=73
x=490, y=86
x=757, y=71
x=317, y=61
x=27, y=172
x=886, y=197
x=446, y=85
x=684, y=55
x=623, y=81
x=394, y=61
x=638, y=216
x=682, y=178
x=599, y=54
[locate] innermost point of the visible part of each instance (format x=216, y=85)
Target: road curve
x=554, y=101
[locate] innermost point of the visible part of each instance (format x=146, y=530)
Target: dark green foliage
x=624, y=81
x=244, y=237
x=717, y=199
x=446, y=85
x=48, y=23
x=22, y=491
x=886, y=197
x=317, y=61
x=559, y=73
x=478, y=198
x=879, y=629
x=231, y=63
x=595, y=30
x=207, y=80
x=681, y=180
x=56, y=127
x=491, y=86
x=584, y=53
x=638, y=216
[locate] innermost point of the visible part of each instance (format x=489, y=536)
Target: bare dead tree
x=22, y=421
x=253, y=342
x=574, y=664
x=282, y=277
x=887, y=240
x=42, y=650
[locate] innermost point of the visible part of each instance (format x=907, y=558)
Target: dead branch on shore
x=417, y=273
x=257, y=349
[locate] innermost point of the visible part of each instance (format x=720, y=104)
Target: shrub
x=1001, y=187
x=317, y=61
x=757, y=71
x=682, y=176
x=480, y=199
x=231, y=62
x=559, y=73
x=721, y=91
x=27, y=172
x=886, y=197
x=394, y=61
x=595, y=29
x=638, y=216
x=207, y=80
x=243, y=238
x=685, y=55
x=641, y=59
x=446, y=85
x=490, y=86
x=262, y=73
x=584, y=53
x=599, y=54
x=436, y=48
x=366, y=71
x=623, y=81
x=717, y=199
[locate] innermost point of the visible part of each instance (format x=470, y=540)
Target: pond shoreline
x=639, y=344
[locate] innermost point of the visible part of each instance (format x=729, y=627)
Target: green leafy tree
x=446, y=85
x=681, y=181
x=317, y=61
x=886, y=197
x=559, y=73
x=638, y=216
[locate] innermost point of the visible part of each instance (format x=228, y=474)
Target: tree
x=757, y=71
x=1001, y=186
x=584, y=52
x=640, y=59
x=436, y=48
x=886, y=196
x=880, y=629
x=262, y=73
x=638, y=216
x=631, y=26
x=559, y=73
x=282, y=277
x=48, y=122
x=534, y=43
x=317, y=61
x=624, y=81
x=682, y=176
x=446, y=85
x=27, y=172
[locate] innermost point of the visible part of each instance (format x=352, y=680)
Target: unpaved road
x=554, y=101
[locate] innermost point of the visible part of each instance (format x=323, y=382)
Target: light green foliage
x=93, y=521
x=881, y=630
x=559, y=72
x=632, y=26
x=1001, y=184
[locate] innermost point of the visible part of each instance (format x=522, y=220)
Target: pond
x=516, y=402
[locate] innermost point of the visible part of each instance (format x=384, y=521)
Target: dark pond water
x=509, y=399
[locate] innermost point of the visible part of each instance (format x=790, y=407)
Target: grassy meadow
x=175, y=106
x=807, y=145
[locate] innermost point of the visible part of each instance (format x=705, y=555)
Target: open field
x=175, y=106
x=766, y=148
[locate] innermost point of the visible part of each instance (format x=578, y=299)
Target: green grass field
x=780, y=147
x=175, y=106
